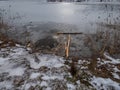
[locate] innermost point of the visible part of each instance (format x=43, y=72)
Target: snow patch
x=106, y=84
x=52, y=77
x=46, y=60
x=43, y=83
x=70, y=86
x=116, y=76
x=34, y=75
x=48, y=88
x=3, y=60
x=112, y=60
x=6, y=84
x=17, y=71
x=116, y=69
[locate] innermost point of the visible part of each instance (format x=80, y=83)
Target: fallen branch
x=66, y=33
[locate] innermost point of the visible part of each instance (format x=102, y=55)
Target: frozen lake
x=82, y=16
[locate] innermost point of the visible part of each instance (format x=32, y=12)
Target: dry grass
x=4, y=26
x=102, y=41
x=6, y=42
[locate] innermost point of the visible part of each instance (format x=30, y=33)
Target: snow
x=112, y=60
x=18, y=55
x=3, y=60
x=16, y=64
x=16, y=71
x=116, y=69
x=7, y=84
x=43, y=83
x=71, y=87
x=106, y=84
x=48, y=88
x=19, y=51
x=7, y=66
x=51, y=77
x=34, y=75
x=116, y=76
x=46, y=60
x=27, y=86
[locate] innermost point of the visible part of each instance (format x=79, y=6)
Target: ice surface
x=80, y=15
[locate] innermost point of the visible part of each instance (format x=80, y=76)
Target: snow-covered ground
x=24, y=71
x=21, y=70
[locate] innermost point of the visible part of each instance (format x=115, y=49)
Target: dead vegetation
x=98, y=43
x=6, y=42
x=102, y=41
x=3, y=26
